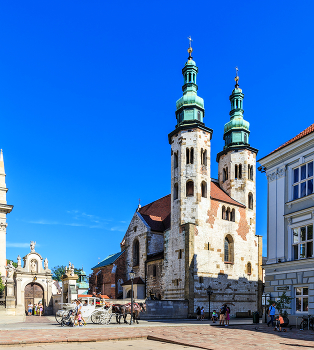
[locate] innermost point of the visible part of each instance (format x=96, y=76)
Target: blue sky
x=87, y=99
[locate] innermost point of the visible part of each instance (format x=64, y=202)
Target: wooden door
x=33, y=293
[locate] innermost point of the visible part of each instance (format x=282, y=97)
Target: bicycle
x=305, y=323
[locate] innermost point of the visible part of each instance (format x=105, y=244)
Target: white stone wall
x=155, y=242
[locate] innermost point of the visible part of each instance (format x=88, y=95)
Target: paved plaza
x=34, y=333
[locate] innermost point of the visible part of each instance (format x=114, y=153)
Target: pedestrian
x=202, y=313
x=214, y=316
x=279, y=323
x=198, y=313
x=30, y=308
x=79, y=319
x=271, y=314
x=222, y=313
x=35, y=309
x=227, y=315
x=40, y=306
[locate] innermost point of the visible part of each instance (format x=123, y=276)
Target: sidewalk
x=182, y=332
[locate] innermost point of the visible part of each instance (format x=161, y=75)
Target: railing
x=2, y=302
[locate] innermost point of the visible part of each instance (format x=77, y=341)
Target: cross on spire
x=236, y=77
x=190, y=48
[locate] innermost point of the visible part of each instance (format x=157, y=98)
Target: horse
x=137, y=308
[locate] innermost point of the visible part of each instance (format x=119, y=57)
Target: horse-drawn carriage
x=100, y=313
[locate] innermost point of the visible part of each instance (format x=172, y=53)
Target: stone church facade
x=203, y=233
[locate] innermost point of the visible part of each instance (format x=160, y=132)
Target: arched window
x=228, y=214
x=187, y=156
x=228, y=249
x=250, y=200
x=154, y=271
x=175, y=191
x=190, y=188
x=192, y=155
x=203, y=156
x=236, y=171
x=136, y=252
x=232, y=215
x=249, y=268
x=250, y=172
x=240, y=171
x=225, y=174
x=128, y=295
x=204, y=189
x=223, y=214
x=175, y=160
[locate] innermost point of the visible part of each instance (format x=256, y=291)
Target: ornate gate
x=33, y=293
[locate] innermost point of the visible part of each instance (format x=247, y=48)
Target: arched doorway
x=33, y=293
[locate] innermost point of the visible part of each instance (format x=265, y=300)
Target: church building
x=203, y=233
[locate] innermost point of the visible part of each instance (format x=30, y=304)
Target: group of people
x=78, y=317
x=36, y=309
x=224, y=315
x=277, y=323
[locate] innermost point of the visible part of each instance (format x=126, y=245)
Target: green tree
x=59, y=271
x=282, y=304
x=2, y=286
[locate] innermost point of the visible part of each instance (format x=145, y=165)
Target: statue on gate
x=32, y=245
x=10, y=270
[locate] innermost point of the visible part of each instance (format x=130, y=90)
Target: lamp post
x=132, y=275
x=209, y=293
x=265, y=301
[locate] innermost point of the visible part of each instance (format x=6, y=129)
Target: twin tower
x=190, y=149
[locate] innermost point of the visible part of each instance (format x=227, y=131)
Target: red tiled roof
x=219, y=194
x=305, y=132
x=157, y=214
x=92, y=296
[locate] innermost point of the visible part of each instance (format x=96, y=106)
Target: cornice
x=194, y=125
x=235, y=148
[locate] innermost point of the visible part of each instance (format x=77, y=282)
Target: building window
x=228, y=251
x=135, y=228
x=136, y=253
x=199, y=116
x=203, y=157
x=303, y=180
x=228, y=214
x=249, y=268
x=190, y=189
x=250, y=200
x=204, y=189
x=154, y=271
x=301, y=299
x=236, y=171
x=250, y=172
x=180, y=253
x=225, y=174
x=303, y=242
x=175, y=160
x=190, y=155
x=175, y=191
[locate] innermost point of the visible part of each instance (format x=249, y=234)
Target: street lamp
x=132, y=275
x=265, y=302
x=209, y=293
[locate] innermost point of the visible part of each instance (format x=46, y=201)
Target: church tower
x=4, y=210
x=190, y=181
x=237, y=161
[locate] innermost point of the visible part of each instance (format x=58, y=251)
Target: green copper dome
x=237, y=130
x=190, y=107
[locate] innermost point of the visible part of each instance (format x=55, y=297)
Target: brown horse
x=137, y=309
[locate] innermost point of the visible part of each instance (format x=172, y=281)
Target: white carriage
x=98, y=314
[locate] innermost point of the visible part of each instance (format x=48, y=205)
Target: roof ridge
x=154, y=201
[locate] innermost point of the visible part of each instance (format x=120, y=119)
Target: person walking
x=202, y=313
x=198, y=313
x=271, y=314
x=30, y=308
x=227, y=315
x=35, y=309
x=40, y=308
x=222, y=315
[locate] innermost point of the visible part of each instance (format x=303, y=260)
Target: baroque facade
x=289, y=267
x=203, y=233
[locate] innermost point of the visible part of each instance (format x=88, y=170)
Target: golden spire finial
x=190, y=48
x=236, y=77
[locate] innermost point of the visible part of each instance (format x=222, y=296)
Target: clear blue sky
x=87, y=99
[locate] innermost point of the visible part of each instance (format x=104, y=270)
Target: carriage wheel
x=59, y=318
x=96, y=317
x=105, y=318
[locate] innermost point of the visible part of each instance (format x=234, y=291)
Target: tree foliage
x=2, y=286
x=59, y=271
x=282, y=304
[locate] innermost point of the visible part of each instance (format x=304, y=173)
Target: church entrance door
x=33, y=293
